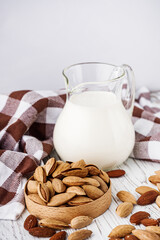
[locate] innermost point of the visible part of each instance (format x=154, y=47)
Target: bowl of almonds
x=65, y=190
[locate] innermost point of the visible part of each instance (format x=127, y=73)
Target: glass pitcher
x=95, y=123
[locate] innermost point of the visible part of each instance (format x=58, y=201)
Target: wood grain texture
x=137, y=173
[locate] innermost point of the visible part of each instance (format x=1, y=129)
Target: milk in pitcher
x=94, y=126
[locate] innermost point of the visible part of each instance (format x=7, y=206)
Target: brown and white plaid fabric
x=27, y=121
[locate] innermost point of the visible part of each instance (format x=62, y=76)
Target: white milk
x=94, y=126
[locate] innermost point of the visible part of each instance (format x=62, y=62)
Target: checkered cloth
x=27, y=121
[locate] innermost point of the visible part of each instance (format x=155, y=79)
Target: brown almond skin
x=42, y=232
x=59, y=236
x=130, y=237
x=80, y=235
x=147, y=198
x=137, y=217
x=150, y=222
x=30, y=222
x=116, y=173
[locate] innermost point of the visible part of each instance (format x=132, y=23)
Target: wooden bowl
x=66, y=214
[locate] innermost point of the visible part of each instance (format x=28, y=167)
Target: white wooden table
x=137, y=173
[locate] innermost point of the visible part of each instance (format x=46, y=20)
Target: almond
x=78, y=172
x=158, y=201
x=137, y=217
x=60, y=168
x=158, y=186
x=157, y=172
x=40, y=174
x=150, y=222
x=32, y=186
x=41, y=232
x=92, y=169
x=60, y=199
x=76, y=189
x=145, y=235
x=92, y=191
x=103, y=185
x=50, y=166
x=53, y=223
x=143, y=189
x=73, y=181
x=130, y=237
x=35, y=198
x=124, y=209
x=81, y=222
x=147, y=198
x=104, y=176
x=154, y=179
x=154, y=229
x=79, y=200
x=92, y=181
x=58, y=185
x=30, y=222
x=59, y=236
x=116, y=173
x=43, y=192
x=51, y=189
x=80, y=235
x=78, y=164
x=125, y=196
x=121, y=231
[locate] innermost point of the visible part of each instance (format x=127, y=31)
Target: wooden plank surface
x=137, y=173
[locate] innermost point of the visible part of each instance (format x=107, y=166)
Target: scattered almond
x=80, y=235
x=158, y=201
x=125, y=196
x=53, y=223
x=130, y=237
x=154, y=179
x=150, y=222
x=121, y=231
x=81, y=222
x=147, y=198
x=137, y=217
x=30, y=222
x=124, y=209
x=116, y=173
x=145, y=235
x=143, y=189
x=41, y=232
x=154, y=229
x=157, y=172
x=59, y=236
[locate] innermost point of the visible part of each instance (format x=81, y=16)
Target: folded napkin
x=27, y=121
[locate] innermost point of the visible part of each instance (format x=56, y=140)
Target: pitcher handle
x=130, y=91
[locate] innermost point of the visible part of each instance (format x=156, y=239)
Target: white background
x=38, y=38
